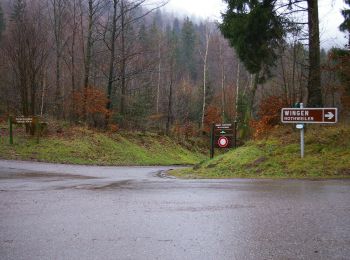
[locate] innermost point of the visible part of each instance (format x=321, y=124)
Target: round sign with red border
x=223, y=141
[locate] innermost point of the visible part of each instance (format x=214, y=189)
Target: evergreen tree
x=176, y=26
x=345, y=26
x=143, y=36
x=255, y=29
x=188, y=40
x=18, y=11
x=158, y=19
x=173, y=42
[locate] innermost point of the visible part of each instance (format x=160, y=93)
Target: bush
x=269, y=115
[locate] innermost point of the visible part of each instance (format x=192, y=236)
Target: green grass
x=327, y=155
x=83, y=146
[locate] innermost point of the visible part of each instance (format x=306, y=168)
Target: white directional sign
x=309, y=115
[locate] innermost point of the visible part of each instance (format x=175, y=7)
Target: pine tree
x=345, y=26
x=255, y=29
x=188, y=39
x=18, y=10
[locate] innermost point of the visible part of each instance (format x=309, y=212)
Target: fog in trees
x=132, y=65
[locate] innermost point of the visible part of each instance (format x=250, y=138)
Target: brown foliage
x=113, y=127
x=90, y=102
x=188, y=129
x=269, y=115
x=156, y=117
x=212, y=115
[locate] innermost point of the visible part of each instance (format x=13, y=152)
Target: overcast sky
x=329, y=14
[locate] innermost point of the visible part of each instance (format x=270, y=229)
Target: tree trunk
x=293, y=73
x=314, y=80
x=111, y=61
x=207, y=36
x=57, y=33
x=284, y=77
x=88, y=55
x=159, y=74
x=222, y=83
x=170, y=113
x=73, y=47
x=58, y=93
x=58, y=9
x=252, y=94
x=42, y=95
x=123, y=61
x=237, y=90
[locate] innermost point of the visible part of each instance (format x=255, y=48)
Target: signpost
x=34, y=121
x=301, y=116
x=222, y=136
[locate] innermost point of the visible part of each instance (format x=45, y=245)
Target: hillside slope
x=84, y=146
x=327, y=155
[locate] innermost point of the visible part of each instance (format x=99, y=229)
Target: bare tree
x=26, y=51
x=59, y=21
x=205, y=68
x=111, y=47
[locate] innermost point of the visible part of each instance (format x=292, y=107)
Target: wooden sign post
x=33, y=120
x=10, y=129
x=222, y=136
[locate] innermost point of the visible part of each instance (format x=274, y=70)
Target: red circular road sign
x=223, y=141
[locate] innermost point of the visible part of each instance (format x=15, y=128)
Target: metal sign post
x=212, y=141
x=302, y=116
x=302, y=143
x=10, y=129
x=235, y=134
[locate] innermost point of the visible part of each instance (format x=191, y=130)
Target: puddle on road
x=113, y=185
x=32, y=175
x=163, y=174
x=212, y=208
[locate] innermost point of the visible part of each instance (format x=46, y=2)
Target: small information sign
x=223, y=135
x=23, y=120
x=32, y=120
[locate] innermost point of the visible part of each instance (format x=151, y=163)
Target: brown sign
x=23, y=120
x=309, y=115
x=223, y=135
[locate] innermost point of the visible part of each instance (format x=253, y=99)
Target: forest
x=118, y=64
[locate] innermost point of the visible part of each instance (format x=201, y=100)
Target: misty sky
x=329, y=13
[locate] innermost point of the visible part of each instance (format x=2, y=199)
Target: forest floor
x=327, y=155
x=81, y=145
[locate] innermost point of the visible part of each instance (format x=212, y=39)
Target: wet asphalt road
x=50, y=211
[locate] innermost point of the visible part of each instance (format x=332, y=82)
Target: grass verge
x=327, y=155
x=84, y=146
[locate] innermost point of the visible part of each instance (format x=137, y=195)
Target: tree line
x=128, y=64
